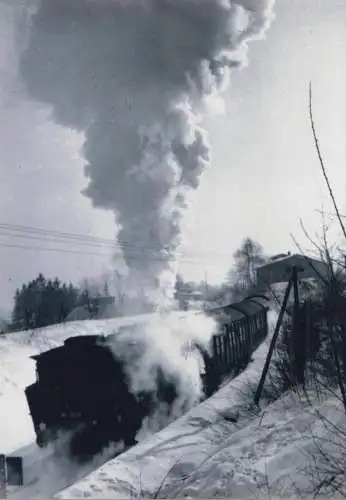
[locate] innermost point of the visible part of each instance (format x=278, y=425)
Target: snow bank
x=180, y=450
x=224, y=447
x=17, y=370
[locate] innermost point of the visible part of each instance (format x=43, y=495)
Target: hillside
x=45, y=471
x=225, y=446
x=17, y=370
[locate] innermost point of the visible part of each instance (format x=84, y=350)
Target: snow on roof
x=279, y=270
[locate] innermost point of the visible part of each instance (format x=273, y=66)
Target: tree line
x=239, y=282
x=42, y=302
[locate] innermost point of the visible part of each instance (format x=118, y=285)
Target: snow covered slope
x=46, y=471
x=17, y=370
x=225, y=447
x=183, y=447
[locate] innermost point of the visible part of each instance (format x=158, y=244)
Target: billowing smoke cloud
x=135, y=77
x=165, y=346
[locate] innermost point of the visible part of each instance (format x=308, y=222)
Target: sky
x=264, y=174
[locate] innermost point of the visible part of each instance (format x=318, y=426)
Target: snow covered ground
x=17, y=370
x=223, y=447
x=180, y=449
x=207, y=454
x=46, y=471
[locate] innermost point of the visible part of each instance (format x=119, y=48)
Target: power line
x=129, y=257
x=55, y=239
x=66, y=238
x=74, y=236
x=77, y=252
x=31, y=232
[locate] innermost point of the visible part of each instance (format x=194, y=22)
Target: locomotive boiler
x=82, y=388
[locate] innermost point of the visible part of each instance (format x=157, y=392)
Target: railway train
x=82, y=390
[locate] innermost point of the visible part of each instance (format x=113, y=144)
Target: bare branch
x=322, y=164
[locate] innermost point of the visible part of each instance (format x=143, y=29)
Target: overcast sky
x=264, y=173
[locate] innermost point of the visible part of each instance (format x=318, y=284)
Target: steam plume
x=135, y=77
x=166, y=346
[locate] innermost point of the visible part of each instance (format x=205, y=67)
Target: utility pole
x=296, y=370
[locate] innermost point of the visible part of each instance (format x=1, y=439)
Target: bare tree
x=242, y=277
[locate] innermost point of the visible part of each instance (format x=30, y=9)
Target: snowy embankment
x=181, y=449
x=17, y=370
x=223, y=447
x=46, y=471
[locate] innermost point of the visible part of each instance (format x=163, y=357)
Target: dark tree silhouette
x=43, y=302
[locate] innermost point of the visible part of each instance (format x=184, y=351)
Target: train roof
x=77, y=342
x=246, y=307
x=50, y=353
x=83, y=340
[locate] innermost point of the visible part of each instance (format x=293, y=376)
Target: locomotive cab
x=82, y=388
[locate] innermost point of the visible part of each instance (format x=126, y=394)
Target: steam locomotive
x=83, y=387
x=82, y=390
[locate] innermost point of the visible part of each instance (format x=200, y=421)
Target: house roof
x=279, y=270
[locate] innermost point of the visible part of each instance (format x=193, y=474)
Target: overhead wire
x=87, y=238
x=104, y=254
x=53, y=236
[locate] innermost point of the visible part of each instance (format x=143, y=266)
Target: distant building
x=280, y=256
x=279, y=270
x=193, y=300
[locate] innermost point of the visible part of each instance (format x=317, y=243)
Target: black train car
x=82, y=388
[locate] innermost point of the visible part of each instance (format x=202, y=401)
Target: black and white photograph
x=172, y=249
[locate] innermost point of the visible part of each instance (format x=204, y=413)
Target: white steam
x=167, y=343
x=164, y=342
x=134, y=76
